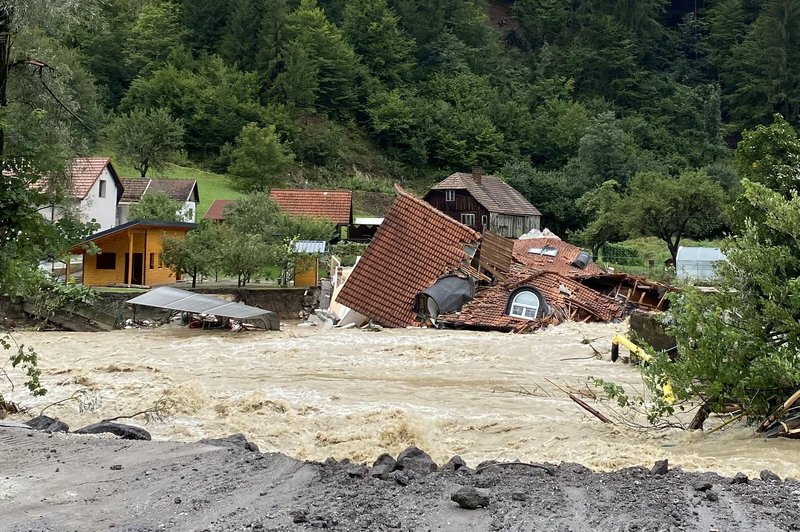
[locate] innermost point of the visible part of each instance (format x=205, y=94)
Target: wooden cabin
x=131, y=254
x=485, y=203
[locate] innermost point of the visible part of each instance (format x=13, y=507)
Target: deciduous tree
x=146, y=139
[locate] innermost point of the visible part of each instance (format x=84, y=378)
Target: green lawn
x=211, y=186
x=651, y=248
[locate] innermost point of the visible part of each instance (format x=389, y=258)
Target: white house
x=184, y=191
x=95, y=191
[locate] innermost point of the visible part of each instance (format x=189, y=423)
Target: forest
x=557, y=96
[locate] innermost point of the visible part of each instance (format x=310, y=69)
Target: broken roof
x=555, y=256
x=492, y=192
x=331, y=205
x=414, y=246
x=217, y=210
x=177, y=189
x=567, y=299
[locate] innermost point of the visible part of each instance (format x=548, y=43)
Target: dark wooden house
x=485, y=202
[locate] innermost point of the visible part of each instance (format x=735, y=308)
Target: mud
x=356, y=394
x=64, y=482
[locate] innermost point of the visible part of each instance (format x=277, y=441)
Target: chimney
x=477, y=174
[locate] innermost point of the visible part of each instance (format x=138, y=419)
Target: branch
x=40, y=66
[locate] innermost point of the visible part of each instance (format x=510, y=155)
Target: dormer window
x=525, y=305
x=449, y=195
x=102, y=188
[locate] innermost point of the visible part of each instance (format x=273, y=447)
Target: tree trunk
x=194, y=279
x=5, y=59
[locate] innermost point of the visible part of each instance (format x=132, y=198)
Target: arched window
x=525, y=305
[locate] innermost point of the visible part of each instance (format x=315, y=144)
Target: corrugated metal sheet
x=170, y=298
x=310, y=246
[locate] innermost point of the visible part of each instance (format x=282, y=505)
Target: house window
x=106, y=261
x=152, y=261
x=525, y=305
x=449, y=195
x=102, y=192
x=468, y=219
x=484, y=221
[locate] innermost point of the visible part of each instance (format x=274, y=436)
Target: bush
x=622, y=255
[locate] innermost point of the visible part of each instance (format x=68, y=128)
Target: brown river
x=314, y=393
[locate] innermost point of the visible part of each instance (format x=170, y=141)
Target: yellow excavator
x=641, y=354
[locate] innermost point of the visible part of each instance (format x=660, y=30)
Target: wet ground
x=61, y=482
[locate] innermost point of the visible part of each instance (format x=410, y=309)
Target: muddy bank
x=70, y=482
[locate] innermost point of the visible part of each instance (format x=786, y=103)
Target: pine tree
x=240, y=42
x=373, y=30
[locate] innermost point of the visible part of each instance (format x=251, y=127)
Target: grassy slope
x=210, y=185
x=652, y=248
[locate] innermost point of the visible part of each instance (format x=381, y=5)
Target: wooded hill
x=557, y=96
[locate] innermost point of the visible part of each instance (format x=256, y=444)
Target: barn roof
x=492, y=192
x=414, y=246
x=552, y=255
x=332, y=205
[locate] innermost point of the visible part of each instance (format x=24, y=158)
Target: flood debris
x=423, y=268
x=204, y=311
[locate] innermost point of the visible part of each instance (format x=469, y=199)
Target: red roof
x=85, y=171
x=561, y=262
x=217, y=210
x=415, y=245
x=332, y=205
x=566, y=297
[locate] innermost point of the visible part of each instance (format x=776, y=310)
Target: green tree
x=146, y=139
x=770, y=155
x=602, y=206
x=198, y=253
x=243, y=255
x=156, y=31
x=372, y=28
x=335, y=61
x=259, y=159
x=205, y=21
x=156, y=206
x=240, y=42
x=673, y=208
x=604, y=153
x=767, y=65
x=739, y=345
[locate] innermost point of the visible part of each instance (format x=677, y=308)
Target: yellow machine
x=641, y=354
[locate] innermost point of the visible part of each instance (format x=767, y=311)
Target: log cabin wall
x=464, y=204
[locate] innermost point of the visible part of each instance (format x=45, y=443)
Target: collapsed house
x=415, y=246
x=425, y=268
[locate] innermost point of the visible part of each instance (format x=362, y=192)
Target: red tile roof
x=85, y=171
x=217, y=210
x=492, y=192
x=332, y=205
x=488, y=308
x=561, y=263
x=415, y=245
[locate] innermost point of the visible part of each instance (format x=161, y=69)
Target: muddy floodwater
x=354, y=394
